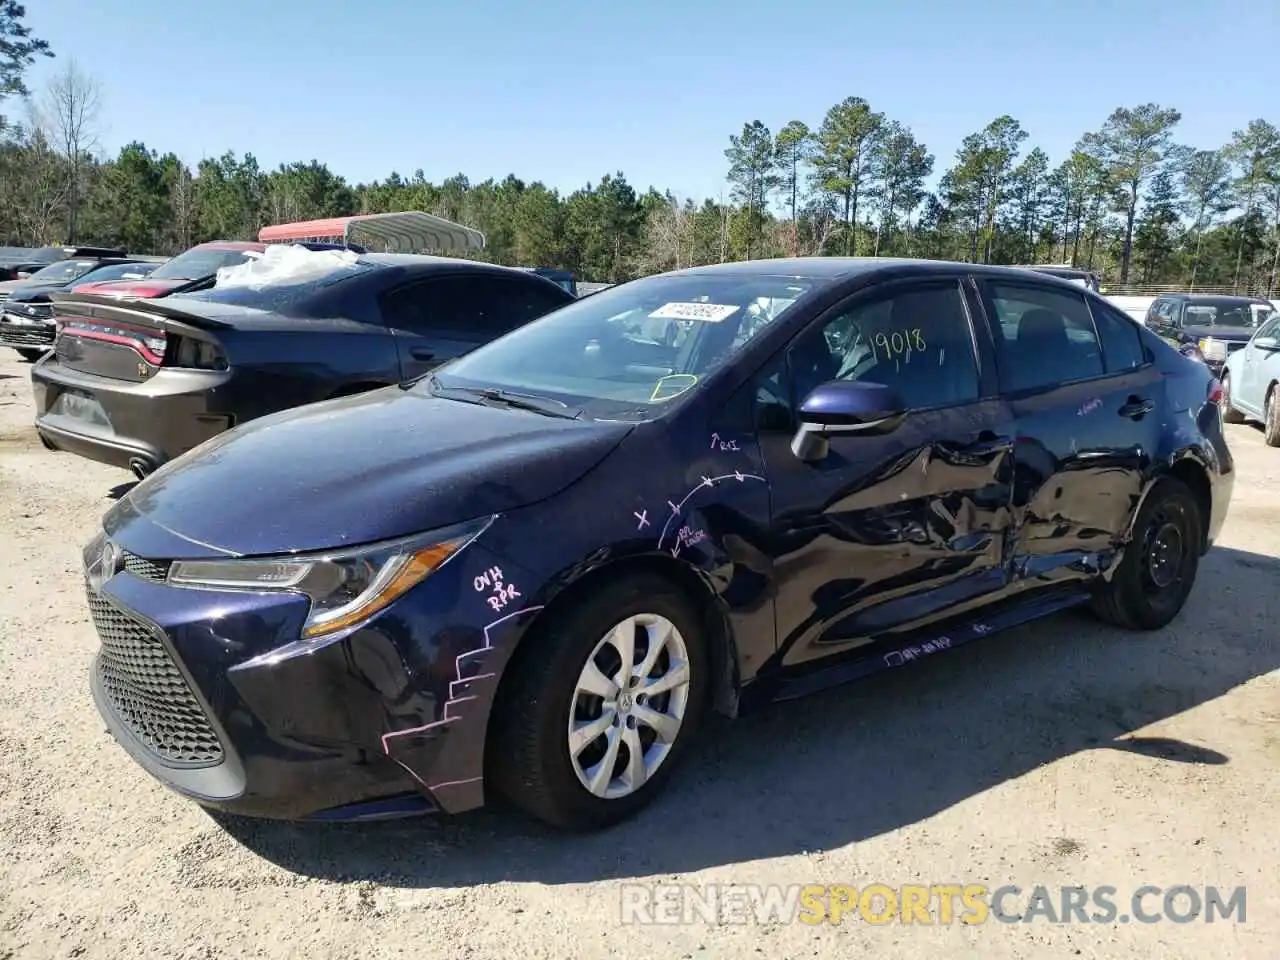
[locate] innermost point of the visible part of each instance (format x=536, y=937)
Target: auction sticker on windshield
x=706, y=312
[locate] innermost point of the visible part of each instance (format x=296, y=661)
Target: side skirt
x=896, y=651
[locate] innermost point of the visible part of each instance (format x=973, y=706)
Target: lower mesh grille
x=148, y=692
x=36, y=338
x=146, y=569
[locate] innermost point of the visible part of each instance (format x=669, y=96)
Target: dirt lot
x=1060, y=754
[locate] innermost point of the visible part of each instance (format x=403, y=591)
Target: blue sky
x=564, y=92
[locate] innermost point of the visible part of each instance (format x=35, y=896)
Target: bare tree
x=39, y=187
x=68, y=112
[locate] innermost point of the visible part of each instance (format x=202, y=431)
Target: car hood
x=26, y=290
x=1225, y=334
x=9, y=285
x=361, y=469
x=144, y=289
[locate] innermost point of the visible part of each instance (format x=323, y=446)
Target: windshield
x=1222, y=314
x=198, y=263
x=624, y=352
x=120, y=271
x=64, y=271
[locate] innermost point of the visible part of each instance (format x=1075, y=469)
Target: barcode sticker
x=706, y=312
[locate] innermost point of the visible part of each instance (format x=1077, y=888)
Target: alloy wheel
x=628, y=705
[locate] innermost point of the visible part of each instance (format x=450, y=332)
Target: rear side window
x=1121, y=343
x=1044, y=337
x=471, y=308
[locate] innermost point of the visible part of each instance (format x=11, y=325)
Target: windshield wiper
x=492, y=396
x=523, y=401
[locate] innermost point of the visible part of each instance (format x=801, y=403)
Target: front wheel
x=1229, y=413
x=601, y=706
x=1271, y=422
x=1154, y=577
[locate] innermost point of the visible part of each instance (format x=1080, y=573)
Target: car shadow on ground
x=853, y=762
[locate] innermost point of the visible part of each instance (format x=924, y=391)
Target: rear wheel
x=1271, y=422
x=31, y=356
x=594, y=721
x=1155, y=576
x=1229, y=413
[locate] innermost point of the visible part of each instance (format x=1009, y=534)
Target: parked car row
x=137, y=383
x=568, y=528
x=26, y=314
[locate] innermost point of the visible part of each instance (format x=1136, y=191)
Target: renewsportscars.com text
x=926, y=904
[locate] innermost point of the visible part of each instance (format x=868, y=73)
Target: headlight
x=1213, y=349
x=346, y=588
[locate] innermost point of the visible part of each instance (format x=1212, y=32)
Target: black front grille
x=33, y=336
x=156, y=570
x=148, y=692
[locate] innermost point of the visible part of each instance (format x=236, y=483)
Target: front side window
x=473, y=308
x=625, y=352
x=917, y=341
x=1044, y=337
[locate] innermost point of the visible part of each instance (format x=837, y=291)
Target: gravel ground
x=1060, y=754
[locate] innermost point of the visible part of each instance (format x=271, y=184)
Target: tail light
x=1215, y=392
x=150, y=344
x=192, y=354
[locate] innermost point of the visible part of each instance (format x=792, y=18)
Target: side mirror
x=1267, y=343
x=845, y=407
x=24, y=274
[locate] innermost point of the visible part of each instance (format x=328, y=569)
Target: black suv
x=1215, y=325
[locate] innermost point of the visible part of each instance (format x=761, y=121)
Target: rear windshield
x=64, y=271
x=288, y=298
x=198, y=263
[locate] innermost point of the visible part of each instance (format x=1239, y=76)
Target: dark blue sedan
x=532, y=572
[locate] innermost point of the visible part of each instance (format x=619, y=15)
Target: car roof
x=836, y=269
x=1212, y=297
x=424, y=263
x=229, y=245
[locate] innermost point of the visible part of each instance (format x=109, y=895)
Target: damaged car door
x=888, y=531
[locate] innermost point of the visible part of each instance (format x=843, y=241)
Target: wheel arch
x=1190, y=469
x=722, y=653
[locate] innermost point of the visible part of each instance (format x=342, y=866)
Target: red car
x=191, y=270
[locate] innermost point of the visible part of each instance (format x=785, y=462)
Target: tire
x=1138, y=596
x=1229, y=413
x=528, y=760
x=31, y=356
x=1271, y=421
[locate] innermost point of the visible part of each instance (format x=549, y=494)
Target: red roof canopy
x=410, y=231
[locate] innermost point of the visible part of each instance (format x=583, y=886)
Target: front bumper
x=212, y=693
x=22, y=333
x=125, y=423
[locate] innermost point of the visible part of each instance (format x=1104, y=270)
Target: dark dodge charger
x=531, y=572
x=137, y=383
